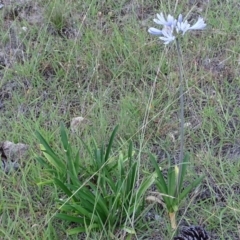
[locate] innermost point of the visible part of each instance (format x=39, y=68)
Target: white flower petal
x=167, y=40
x=157, y=21
x=199, y=25
x=183, y=27
x=180, y=18
x=155, y=31
x=167, y=35
x=171, y=21
x=161, y=20
x=170, y=18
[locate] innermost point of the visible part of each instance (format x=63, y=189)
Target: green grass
x=104, y=69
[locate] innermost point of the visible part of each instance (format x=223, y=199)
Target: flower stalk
x=171, y=187
x=181, y=103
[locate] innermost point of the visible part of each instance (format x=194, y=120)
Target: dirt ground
x=13, y=50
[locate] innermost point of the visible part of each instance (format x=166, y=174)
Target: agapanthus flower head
x=173, y=26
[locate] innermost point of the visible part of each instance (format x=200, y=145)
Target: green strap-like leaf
x=74, y=231
x=44, y=143
x=130, y=154
x=64, y=137
x=43, y=162
x=102, y=205
x=165, y=197
x=110, y=143
x=162, y=183
x=131, y=180
x=89, y=201
x=65, y=189
x=112, y=184
x=49, y=153
x=182, y=172
x=69, y=218
x=144, y=186
x=68, y=151
x=97, y=159
x=186, y=191
x=86, y=213
x=67, y=207
x=121, y=173
x=171, y=184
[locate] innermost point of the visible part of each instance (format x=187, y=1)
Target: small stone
x=10, y=154
x=12, y=151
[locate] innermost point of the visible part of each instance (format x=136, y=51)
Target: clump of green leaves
x=106, y=200
x=171, y=189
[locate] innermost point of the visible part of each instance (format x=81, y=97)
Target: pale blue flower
x=199, y=25
x=180, y=18
x=185, y=26
x=170, y=21
x=154, y=31
x=167, y=33
x=172, y=25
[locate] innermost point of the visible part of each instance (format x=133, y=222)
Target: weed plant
x=109, y=199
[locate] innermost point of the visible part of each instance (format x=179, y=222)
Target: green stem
x=181, y=104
